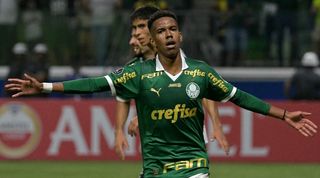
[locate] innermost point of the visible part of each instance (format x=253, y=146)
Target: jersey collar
x=159, y=66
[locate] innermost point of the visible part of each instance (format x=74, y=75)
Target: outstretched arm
x=31, y=86
x=296, y=119
x=212, y=109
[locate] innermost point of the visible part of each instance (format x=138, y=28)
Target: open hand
x=27, y=86
x=220, y=137
x=297, y=120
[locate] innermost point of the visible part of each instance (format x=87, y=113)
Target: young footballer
x=168, y=92
x=139, y=20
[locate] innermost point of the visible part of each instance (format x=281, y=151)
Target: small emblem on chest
x=156, y=91
x=174, y=85
x=193, y=90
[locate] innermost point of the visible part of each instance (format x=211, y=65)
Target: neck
x=171, y=65
x=150, y=54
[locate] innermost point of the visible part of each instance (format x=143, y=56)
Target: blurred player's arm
x=121, y=142
x=212, y=109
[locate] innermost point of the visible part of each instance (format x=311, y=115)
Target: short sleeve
x=124, y=82
x=217, y=89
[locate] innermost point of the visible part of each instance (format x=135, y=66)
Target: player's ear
x=180, y=37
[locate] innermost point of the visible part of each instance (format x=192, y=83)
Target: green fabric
x=135, y=60
x=250, y=102
x=170, y=114
x=86, y=85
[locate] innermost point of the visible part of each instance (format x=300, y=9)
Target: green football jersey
x=170, y=113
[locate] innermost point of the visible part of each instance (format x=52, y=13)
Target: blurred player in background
x=38, y=64
x=168, y=93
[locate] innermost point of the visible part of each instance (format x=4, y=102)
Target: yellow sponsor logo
x=218, y=82
x=195, y=73
x=151, y=75
x=125, y=77
x=179, y=111
x=198, y=162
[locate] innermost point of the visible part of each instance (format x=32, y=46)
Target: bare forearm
x=277, y=112
x=212, y=109
x=121, y=115
x=57, y=87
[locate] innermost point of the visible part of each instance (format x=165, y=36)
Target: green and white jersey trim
x=233, y=92
x=112, y=88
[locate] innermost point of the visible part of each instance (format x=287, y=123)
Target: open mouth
x=170, y=44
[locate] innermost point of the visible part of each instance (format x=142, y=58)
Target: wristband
x=47, y=87
x=284, y=114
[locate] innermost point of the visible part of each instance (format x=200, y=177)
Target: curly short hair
x=161, y=13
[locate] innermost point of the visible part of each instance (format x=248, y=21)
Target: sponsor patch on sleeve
x=118, y=71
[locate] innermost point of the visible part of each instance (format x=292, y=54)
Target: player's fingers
x=225, y=145
x=310, y=128
x=227, y=148
x=119, y=151
x=121, y=154
x=15, y=80
x=14, y=89
x=310, y=123
x=308, y=132
x=12, y=85
x=28, y=76
x=17, y=94
x=125, y=144
x=305, y=114
x=33, y=80
x=303, y=133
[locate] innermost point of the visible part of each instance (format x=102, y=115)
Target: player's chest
x=160, y=88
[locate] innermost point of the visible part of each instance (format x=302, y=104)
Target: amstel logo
x=20, y=130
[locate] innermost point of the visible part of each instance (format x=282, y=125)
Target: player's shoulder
x=134, y=61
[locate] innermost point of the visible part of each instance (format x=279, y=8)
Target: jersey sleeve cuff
x=233, y=92
x=109, y=80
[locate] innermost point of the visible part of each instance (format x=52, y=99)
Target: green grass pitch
x=126, y=169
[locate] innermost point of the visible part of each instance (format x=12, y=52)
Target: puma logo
x=157, y=92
